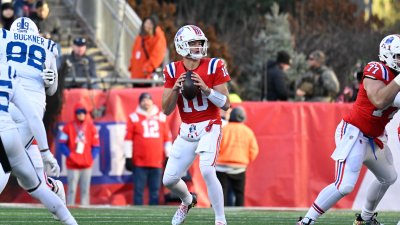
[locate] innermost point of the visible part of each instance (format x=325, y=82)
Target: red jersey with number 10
x=364, y=115
x=213, y=73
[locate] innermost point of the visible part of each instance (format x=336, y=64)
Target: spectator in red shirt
x=79, y=142
x=147, y=140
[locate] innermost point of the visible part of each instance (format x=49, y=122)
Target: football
x=189, y=90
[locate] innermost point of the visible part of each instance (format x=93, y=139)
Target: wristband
x=396, y=101
x=217, y=98
x=397, y=80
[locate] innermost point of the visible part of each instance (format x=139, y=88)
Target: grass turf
x=28, y=215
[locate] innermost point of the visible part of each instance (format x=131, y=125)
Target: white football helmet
x=188, y=34
x=24, y=25
x=389, y=51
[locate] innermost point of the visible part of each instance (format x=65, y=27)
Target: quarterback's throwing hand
x=48, y=76
x=49, y=160
x=199, y=82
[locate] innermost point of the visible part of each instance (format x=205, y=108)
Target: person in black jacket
x=277, y=80
x=79, y=65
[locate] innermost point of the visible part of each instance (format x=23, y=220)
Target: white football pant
x=27, y=177
x=348, y=170
x=38, y=103
x=193, y=139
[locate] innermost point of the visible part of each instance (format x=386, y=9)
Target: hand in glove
x=48, y=76
x=49, y=160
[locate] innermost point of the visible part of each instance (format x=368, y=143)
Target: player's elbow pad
x=217, y=98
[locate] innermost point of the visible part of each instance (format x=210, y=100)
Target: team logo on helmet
x=389, y=40
x=23, y=25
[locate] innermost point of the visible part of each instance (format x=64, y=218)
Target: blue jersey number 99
x=19, y=52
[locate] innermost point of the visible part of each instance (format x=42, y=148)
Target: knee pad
x=169, y=180
x=345, y=189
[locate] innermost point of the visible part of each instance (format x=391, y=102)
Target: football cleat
x=182, y=211
x=305, y=221
x=220, y=223
x=58, y=189
x=360, y=221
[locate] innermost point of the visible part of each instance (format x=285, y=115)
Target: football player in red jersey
x=200, y=131
x=361, y=139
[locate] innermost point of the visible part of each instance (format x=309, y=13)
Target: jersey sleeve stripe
x=385, y=74
x=52, y=47
x=9, y=72
x=370, y=77
x=212, y=66
x=4, y=33
x=48, y=44
x=171, y=70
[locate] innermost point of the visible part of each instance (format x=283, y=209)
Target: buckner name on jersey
x=29, y=37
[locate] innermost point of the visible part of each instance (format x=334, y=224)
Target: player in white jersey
x=12, y=154
x=23, y=48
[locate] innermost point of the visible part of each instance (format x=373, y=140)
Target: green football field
x=25, y=215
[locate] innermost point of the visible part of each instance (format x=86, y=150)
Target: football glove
x=51, y=162
x=48, y=76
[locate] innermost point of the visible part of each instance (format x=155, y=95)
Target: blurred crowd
x=318, y=84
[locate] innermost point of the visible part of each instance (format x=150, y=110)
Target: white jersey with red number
x=364, y=115
x=213, y=73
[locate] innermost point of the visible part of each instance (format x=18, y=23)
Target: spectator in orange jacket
x=147, y=142
x=79, y=142
x=238, y=148
x=148, y=50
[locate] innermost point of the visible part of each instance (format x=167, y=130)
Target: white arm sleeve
x=128, y=149
x=217, y=98
x=34, y=119
x=53, y=88
x=396, y=101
